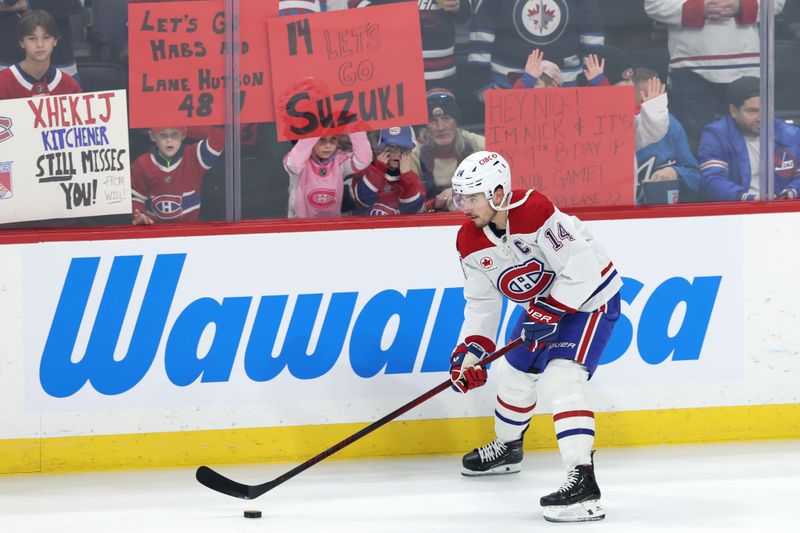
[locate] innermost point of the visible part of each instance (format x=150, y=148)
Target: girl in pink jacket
x=317, y=168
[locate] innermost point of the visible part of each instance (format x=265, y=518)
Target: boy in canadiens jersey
x=317, y=168
x=388, y=186
x=518, y=245
x=166, y=180
x=35, y=76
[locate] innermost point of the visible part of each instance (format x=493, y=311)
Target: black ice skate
x=493, y=459
x=578, y=500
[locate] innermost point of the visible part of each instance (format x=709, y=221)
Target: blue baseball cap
x=402, y=136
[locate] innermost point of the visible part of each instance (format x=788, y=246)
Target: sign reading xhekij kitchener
x=64, y=156
x=345, y=71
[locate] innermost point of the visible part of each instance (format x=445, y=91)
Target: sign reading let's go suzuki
x=254, y=316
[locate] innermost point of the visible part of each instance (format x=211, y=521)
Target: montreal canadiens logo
x=785, y=164
x=525, y=282
x=5, y=129
x=322, y=197
x=167, y=206
x=541, y=22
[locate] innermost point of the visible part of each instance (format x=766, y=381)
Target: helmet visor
x=469, y=201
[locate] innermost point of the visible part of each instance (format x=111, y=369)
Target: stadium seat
x=109, y=32
x=787, y=80
x=101, y=77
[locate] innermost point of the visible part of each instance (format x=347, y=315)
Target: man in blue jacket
x=729, y=150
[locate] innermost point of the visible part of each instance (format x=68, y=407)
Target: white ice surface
x=732, y=487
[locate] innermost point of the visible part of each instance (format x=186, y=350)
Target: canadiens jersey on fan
x=16, y=83
x=543, y=252
x=170, y=191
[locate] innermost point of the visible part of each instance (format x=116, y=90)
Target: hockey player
x=518, y=245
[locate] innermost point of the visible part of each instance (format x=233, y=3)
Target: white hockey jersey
x=544, y=252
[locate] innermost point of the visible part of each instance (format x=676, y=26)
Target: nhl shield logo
x=540, y=22
x=6, y=190
x=5, y=129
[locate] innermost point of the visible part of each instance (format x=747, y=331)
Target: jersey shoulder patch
x=530, y=216
x=471, y=239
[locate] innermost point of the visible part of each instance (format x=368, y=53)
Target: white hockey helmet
x=482, y=172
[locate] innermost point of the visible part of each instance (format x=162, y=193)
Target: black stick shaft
x=383, y=421
x=216, y=481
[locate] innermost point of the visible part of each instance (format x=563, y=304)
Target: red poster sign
x=574, y=144
x=344, y=71
x=177, y=63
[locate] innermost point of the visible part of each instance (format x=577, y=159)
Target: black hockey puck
x=252, y=513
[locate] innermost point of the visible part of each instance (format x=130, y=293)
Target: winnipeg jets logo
x=541, y=22
x=785, y=164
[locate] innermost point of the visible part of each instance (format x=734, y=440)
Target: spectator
x=729, y=150
x=63, y=57
x=437, y=19
x=165, y=184
x=711, y=43
x=538, y=73
x=444, y=146
x=34, y=75
x=388, y=186
x=502, y=33
x=317, y=168
x=666, y=169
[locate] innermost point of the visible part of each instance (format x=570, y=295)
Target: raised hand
x=534, y=64
x=653, y=89
x=405, y=162
x=593, y=67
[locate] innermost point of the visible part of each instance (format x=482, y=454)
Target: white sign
x=64, y=156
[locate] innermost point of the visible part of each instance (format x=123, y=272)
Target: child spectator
x=388, y=186
x=34, y=75
x=317, y=168
x=63, y=57
x=729, y=151
x=538, y=73
x=166, y=181
x=666, y=170
x=444, y=146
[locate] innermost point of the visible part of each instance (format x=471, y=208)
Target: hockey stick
x=216, y=481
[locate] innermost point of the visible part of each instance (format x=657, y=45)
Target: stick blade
x=216, y=481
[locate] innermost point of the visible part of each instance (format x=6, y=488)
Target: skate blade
x=496, y=471
x=587, y=511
